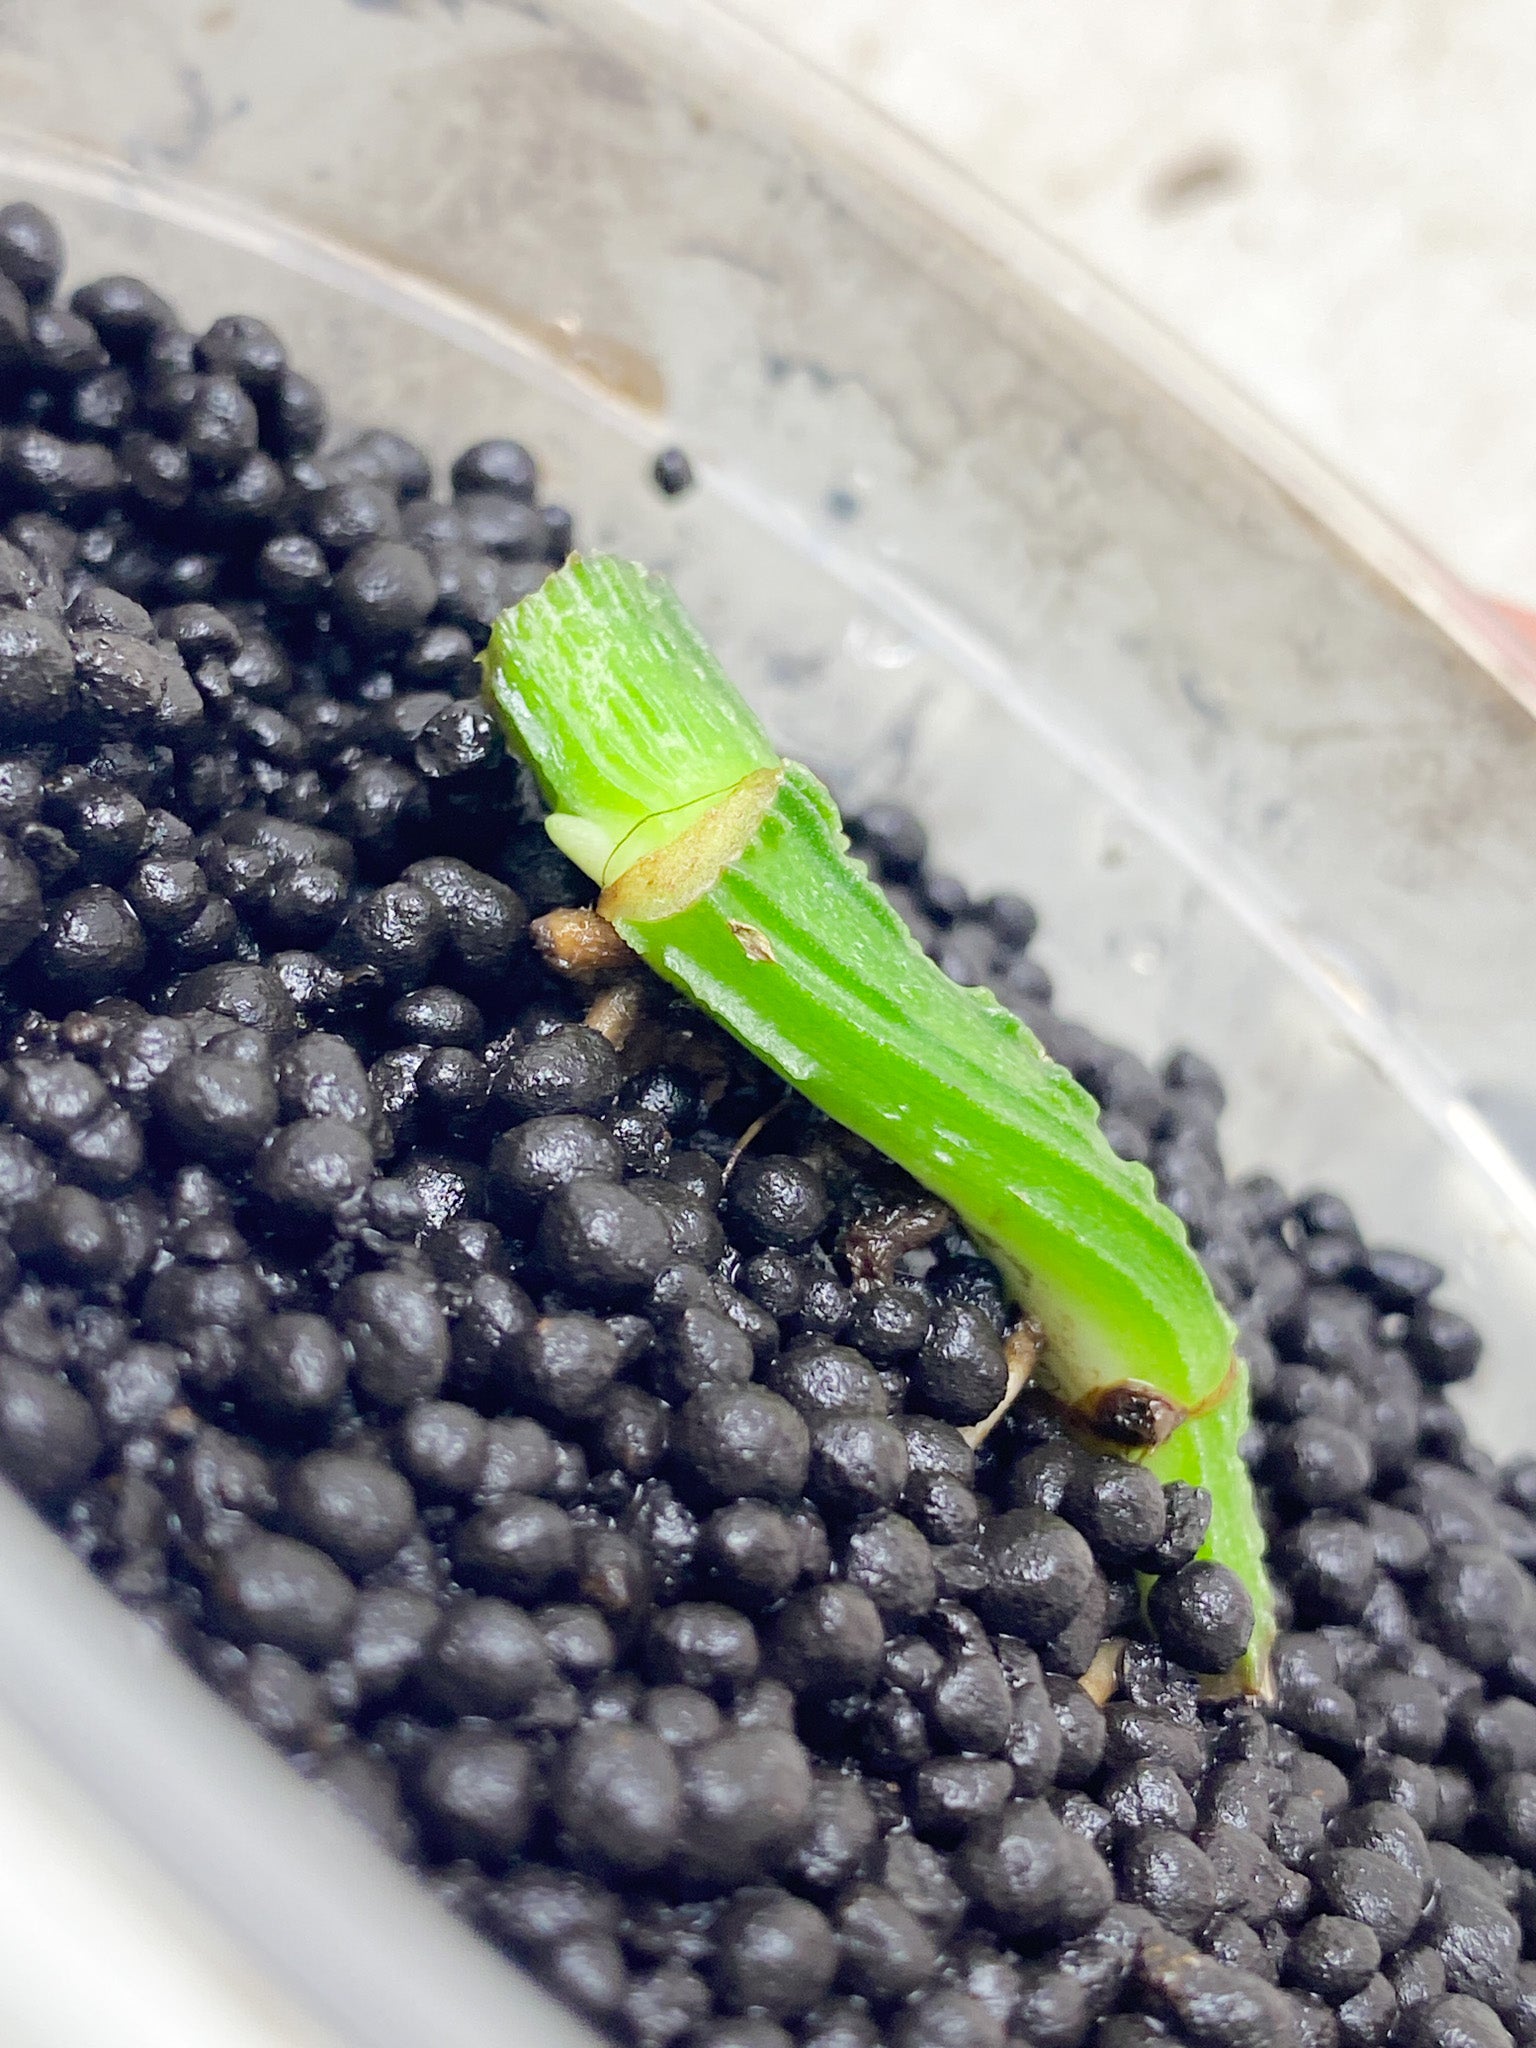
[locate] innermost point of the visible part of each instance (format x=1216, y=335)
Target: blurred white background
x=1334, y=201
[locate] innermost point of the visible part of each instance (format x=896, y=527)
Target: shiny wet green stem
x=728, y=872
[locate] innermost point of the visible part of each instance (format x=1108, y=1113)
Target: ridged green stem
x=727, y=871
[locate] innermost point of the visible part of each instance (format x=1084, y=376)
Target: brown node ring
x=1139, y=1418
x=1131, y=1413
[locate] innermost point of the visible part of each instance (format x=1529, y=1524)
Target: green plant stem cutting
x=727, y=870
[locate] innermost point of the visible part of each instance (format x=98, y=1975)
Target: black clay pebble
x=1203, y=1615
x=564, y=1466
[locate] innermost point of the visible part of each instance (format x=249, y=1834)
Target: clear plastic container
x=972, y=534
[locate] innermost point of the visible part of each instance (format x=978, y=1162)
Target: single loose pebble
x=673, y=471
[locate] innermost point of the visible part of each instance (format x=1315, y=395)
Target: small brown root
x=1021, y=1352
x=617, y=1011
x=1251, y=1678
x=642, y=1048
x=875, y=1242
x=751, y=1134
x=580, y=945
x=1103, y=1674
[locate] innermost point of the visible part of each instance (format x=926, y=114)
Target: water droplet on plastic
x=872, y=644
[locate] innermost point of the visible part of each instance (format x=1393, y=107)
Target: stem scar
x=1132, y=1414
x=1138, y=1418
x=754, y=944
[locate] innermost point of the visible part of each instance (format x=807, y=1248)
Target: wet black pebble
x=565, y=1365
x=31, y=250
x=397, y=1332
x=1119, y=1507
x=496, y=465
x=774, y=1953
x=485, y=1658
x=1365, y=1885
x=1027, y=1875
x=752, y=1552
x=217, y=1109
x=1334, y=1957
x=519, y=1547
x=746, y=1798
x=1203, y=1615
x=619, y=1797
x=356, y=1509
x=308, y=1170
x=1456, y=2022
x=1038, y=1573
x=734, y=1442
x=385, y=591
x=295, y=1365
x=48, y=1439
x=858, y=1463
x=479, y=1793
x=828, y=1642
x=775, y=1199
x=960, y=1374
x=602, y=1240
x=703, y=1644
x=566, y=1070
x=273, y=1589
x=885, y=1951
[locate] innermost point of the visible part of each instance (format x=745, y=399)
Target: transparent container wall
x=959, y=548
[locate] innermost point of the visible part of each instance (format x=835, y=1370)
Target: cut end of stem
x=631, y=726
x=1103, y=1674
x=672, y=877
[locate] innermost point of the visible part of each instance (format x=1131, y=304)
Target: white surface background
x=1333, y=200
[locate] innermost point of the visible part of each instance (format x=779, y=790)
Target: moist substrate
x=543, y=1428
